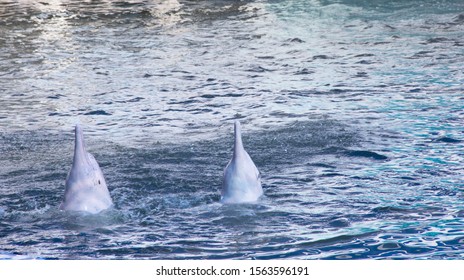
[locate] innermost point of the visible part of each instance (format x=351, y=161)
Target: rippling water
x=352, y=110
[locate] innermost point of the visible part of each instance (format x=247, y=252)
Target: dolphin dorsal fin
x=238, y=145
x=80, y=153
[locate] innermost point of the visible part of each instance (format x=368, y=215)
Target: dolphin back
x=86, y=188
x=241, y=180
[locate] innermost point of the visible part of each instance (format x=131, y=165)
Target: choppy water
x=352, y=111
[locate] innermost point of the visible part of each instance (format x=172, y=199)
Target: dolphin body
x=86, y=188
x=242, y=180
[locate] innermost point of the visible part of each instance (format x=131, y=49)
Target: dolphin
x=86, y=188
x=242, y=180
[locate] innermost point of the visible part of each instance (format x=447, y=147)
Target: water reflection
x=74, y=61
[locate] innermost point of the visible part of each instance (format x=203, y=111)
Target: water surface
x=352, y=111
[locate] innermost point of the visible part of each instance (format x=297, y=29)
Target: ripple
x=98, y=113
x=448, y=140
x=366, y=154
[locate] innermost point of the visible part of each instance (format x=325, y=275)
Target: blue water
x=353, y=112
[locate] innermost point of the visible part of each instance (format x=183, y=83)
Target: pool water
x=353, y=112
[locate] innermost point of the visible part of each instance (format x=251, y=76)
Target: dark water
x=352, y=110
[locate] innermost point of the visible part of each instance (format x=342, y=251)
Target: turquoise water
x=351, y=110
